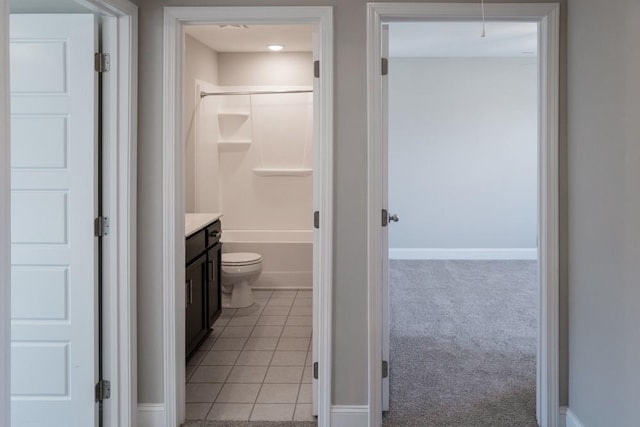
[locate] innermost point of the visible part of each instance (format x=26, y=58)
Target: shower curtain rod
x=261, y=92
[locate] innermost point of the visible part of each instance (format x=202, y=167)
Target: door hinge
x=385, y=217
x=315, y=370
x=316, y=69
x=101, y=226
x=316, y=219
x=385, y=66
x=102, y=62
x=103, y=390
x=385, y=369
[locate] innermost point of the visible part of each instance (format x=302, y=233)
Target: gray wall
x=201, y=63
x=463, y=152
x=604, y=211
x=350, y=162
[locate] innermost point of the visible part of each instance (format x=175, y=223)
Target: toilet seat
x=238, y=259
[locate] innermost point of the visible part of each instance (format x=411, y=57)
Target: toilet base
x=241, y=296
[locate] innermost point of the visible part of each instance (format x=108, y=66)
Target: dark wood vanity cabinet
x=202, y=284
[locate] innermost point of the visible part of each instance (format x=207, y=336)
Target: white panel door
x=386, y=319
x=53, y=205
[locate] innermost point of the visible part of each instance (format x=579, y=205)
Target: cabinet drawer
x=195, y=245
x=213, y=233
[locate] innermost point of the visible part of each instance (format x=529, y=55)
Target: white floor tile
x=229, y=344
x=196, y=411
x=220, y=357
x=247, y=374
x=267, y=331
x=230, y=411
x=272, y=320
x=276, y=311
x=210, y=374
x=189, y=370
x=196, y=358
x=301, y=311
x=236, y=331
x=280, y=302
x=254, y=358
x=243, y=320
x=221, y=321
x=261, y=344
x=303, y=302
x=261, y=295
x=272, y=412
x=284, y=375
x=207, y=343
x=299, y=321
x=293, y=343
x=278, y=393
x=238, y=393
x=253, y=310
x=307, y=375
x=304, y=395
x=296, y=332
x=289, y=358
x=303, y=413
x=201, y=393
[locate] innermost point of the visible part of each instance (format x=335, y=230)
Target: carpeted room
x=462, y=178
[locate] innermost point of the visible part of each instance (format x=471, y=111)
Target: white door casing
x=53, y=205
x=547, y=17
x=386, y=304
x=175, y=18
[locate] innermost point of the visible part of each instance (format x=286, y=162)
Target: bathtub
x=287, y=255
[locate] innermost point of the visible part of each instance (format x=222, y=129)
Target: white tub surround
x=194, y=222
x=287, y=255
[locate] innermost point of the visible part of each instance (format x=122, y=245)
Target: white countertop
x=197, y=221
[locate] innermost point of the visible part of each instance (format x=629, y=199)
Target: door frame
x=173, y=206
x=547, y=16
x=120, y=147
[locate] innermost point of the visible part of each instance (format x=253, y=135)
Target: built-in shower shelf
x=232, y=115
x=238, y=145
x=282, y=172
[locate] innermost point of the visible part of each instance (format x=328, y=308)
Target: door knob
x=394, y=218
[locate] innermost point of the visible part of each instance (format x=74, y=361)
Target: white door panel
x=53, y=339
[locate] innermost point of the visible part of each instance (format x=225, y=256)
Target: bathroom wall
x=266, y=68
x=463, y=157
x=273, y=131
x=201, y=63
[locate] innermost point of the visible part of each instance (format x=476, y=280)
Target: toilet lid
x=240, y=258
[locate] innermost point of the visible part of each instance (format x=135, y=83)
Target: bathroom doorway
x=255, y=122
x=435, y=300
x=249, y=157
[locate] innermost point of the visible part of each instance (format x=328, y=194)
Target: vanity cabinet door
x=214, y=288
x=195, y=315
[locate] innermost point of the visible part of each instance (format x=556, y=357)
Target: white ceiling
x=463, y=39
x=255, y=38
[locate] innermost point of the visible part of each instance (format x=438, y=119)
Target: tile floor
x=256, y=364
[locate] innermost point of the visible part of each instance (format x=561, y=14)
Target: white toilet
x=239, y=271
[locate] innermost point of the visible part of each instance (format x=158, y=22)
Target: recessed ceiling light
x=234, y=27
x=275, y=47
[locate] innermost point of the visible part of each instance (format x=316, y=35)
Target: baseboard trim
x=568, y=418
x=464, y=253
x=349, y=416
x=151, y=414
